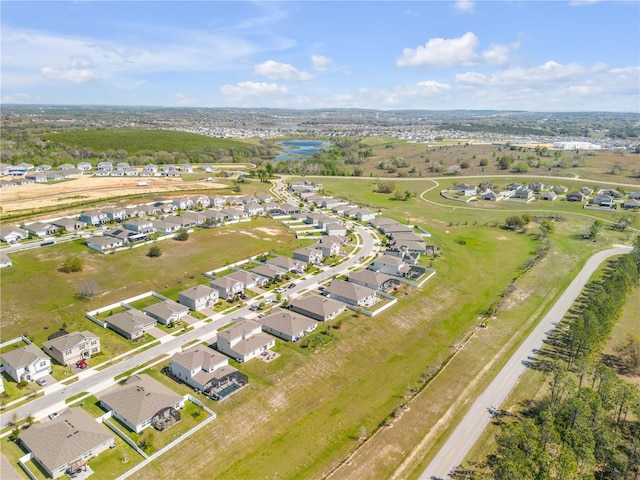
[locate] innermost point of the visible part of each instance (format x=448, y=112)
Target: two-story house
x=72, y=347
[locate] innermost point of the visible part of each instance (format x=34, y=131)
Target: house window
x=68, y=352
x=43, y=363
x=93, y=342
x=94, y=350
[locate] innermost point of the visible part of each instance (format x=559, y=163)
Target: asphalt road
x=94, y=381
x=457, y=447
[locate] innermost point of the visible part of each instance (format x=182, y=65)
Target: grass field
x=305, y=411
x=136, y=140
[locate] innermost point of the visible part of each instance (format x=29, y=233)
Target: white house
x=26, y=363
x=244, y=341
x=199, y=297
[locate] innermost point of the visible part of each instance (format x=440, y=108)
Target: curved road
x=94, y=381
x=457, y=447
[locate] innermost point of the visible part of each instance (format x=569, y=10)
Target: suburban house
x=289, y=264
x=524, y=193
x=191, y=218
x=167, y=312
x=26, y=363
x=317, y=307
x=330, y=245
x=575, y=197
x=84, y=166
x=140, y=225
x=94, y=217
x=38, y=177
x=604, y=200
x=142, y=402
x=64, y=445
x=72, y=347
x=183, y=203
x=11, y=234
x=69, y=224
x=199, y=297
x=537, y=187
x=380, y=221
x=373, y=280
x=270, y=272
x=115, y=214
x=131, y=324
x=207, y=370
x=350, y=293
x=631, y=203
x=104, y=244
x=217, y=201
x=5, y=261
x=492, y=196
x=253, y=209
x=228, y=287
x=244, y=340
x=395, y=228
x=364, y=215
x=163, y=226
x=287, y=325
x=335, y=229
x=201, y=201
x=391, y=265
x=550, y=195
x=248, y=279
x=265, y=198
x=310, y=255
x=465, y=190
x=214, y=217
x=586, y=191
x=125, y=235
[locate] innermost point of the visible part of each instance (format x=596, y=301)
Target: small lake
x=299, y=149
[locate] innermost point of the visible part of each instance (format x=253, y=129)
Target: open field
x=136, y=140
x=305, y=411
x=29, y=308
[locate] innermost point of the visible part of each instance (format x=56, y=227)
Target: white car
x=53, y=415
x=41, y=381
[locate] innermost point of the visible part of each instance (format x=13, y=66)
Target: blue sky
x=581, y=55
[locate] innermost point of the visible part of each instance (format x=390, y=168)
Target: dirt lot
x=34, y=196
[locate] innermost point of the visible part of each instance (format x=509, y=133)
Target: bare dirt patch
x=28, y=197
x=269, y=231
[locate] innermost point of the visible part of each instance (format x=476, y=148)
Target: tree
x=88, y=289
x=593, y=231
x=483, y=162
x=547, y=227
x=182, y=235
x=72, y=264
x=505, y=162
x=521, y=167
x=385, y=187
x=154, y=251
x=515, y=222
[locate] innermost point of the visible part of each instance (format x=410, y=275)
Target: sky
x=580, y=55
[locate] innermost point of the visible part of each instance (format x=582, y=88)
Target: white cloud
x=455, y=52
x=465, y=6
x=431, y=86
x=281, y=71
x=320, y=63
x=549, y=72
x=16, y=98
x=71, y=75
x=244, y=89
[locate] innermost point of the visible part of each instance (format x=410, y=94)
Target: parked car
x=41, y=381
x=262, y=315
x=267, y=301
x=81, y=364
x=292, y=285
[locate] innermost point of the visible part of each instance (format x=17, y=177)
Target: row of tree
x=587, y=426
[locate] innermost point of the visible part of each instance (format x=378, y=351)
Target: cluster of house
x=606, y=197
x=136, y=223
x=139, y=403
x=26, y=173
x=30, y=363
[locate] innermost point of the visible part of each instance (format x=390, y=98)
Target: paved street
x=94, y=381
x=457, y=447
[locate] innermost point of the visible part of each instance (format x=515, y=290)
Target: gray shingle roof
x=23, y=356
x=140, y=398
x=68, y=341
x=64, y=439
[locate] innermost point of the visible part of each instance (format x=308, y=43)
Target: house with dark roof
x=72, y=347
x=287, y=325
x=575, y=197
x=64, y=445
x=631, y=203
x=317, y=307
x=167, y=312
x=143, y=402
x=131, y=324
x=207, y=370
x=350, y=293
x=244, y=340
x=549, y=196
x=26, y=363
x=199, y=297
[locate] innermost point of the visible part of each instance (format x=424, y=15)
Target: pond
x=299, y=149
